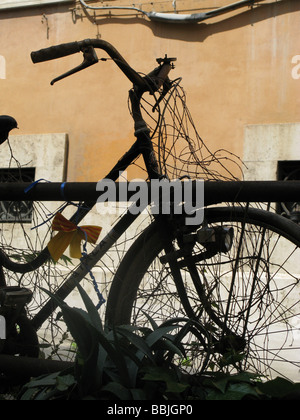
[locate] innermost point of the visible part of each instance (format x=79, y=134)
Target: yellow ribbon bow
x=71, y=235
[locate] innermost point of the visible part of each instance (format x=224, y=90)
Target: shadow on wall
x=188, y=32
x=193, y=32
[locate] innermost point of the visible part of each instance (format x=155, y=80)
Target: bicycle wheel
x=245, y=294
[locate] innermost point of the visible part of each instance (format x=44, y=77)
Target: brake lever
x=160, y=77
x=89, y=58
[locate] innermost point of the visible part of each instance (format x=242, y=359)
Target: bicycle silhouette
x=236, y=273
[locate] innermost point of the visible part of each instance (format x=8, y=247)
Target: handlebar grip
x=54, y=52
x=63, y=50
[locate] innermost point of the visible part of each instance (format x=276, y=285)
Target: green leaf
x=120, y=361
x=151, y=320
x=167, y=376
x=158, y=334
x=65, y=382
x=221, y=384
x=176, y=387
x=278, y=388
x=79, y=327
x=172, y=348
x=138, y=342
x=28, y=395
x=67, y=260
x=80, y=330
x=85, y=336
x=91, y=309
x=233, y=392
x=45, y=380
x=118, y=390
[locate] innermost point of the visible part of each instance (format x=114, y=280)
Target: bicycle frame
x=106, y=243
x=142, y=146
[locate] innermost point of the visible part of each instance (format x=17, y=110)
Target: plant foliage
x=120, y=363
x=135, y=363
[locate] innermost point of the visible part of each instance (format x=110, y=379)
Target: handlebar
x=151, y=83
x=54, y=52
x=86, y=46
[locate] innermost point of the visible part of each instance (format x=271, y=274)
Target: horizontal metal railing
x=214, y=191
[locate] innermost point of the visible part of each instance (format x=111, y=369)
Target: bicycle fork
x=183, y=259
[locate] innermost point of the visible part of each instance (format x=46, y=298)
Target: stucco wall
x=47, y=153
x=238, y=69
x=267, y=144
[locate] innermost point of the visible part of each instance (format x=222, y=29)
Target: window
x=16, y=211
x=8, y=4
x=289, y=170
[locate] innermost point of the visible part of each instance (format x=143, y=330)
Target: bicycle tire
x=271, y=335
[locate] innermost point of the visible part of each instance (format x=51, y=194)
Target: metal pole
x=214, y=191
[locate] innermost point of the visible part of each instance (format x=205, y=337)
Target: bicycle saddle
x=7, y=123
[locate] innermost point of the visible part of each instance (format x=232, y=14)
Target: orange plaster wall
x=237, y=69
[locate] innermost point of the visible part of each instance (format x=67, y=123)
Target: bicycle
x=234, y=274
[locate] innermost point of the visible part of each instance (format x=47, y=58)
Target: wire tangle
x=179, y=148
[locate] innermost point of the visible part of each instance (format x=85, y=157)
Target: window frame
x=21, y=174
x=288, y=169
